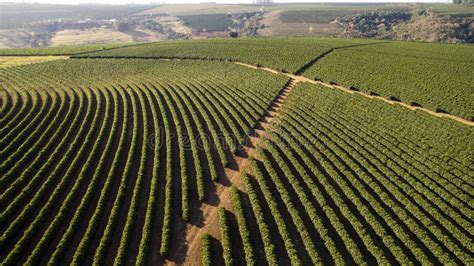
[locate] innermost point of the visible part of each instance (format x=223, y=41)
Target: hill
x=243, y=151
x=42, y=25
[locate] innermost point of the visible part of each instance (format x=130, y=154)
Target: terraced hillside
x=181, y=152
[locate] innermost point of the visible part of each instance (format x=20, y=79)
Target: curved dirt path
x=299, y=78
x=210, y=214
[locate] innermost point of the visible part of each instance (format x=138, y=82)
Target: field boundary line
x=318, y=58
x=126, y=45
x=381, y=98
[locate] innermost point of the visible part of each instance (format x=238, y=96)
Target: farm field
x=61, y=49
x=431, y=75
x=9, y=61
x=198, y=9
x=43, y=25
x=274, y=26
x=110, y=136
x=278, y=53
x=207, y=22
x=313, y=16
x=326, y=14
x=329, y=170
x=257, y=151
x=90, y=36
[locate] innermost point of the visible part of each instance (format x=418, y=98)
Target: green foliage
x=102, y=133
x=87, y=147
x=144, y=247
x=48, y=204
x=433, y=75
x=276, y=214
x=326, y=13
x=453, y=10
x=409, y=167
x=288, y=54
x=243, y=226
x=269, y=247
x=314, y=16
x=137, y=190
x=225, y=237
x=206, y=249
x=209, y=22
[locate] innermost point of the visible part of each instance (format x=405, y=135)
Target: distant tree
x=233, y=34
x=122, y=27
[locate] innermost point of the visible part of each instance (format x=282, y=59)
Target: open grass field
x=61, y=49
x=20, y=14
x=450, y=10
x=89, y=36
x=229, y=152
x=9, y=61
x=198, y=9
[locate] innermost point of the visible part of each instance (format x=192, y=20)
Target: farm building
x=263, y=2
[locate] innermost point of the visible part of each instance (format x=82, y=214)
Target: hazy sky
x=198, y=1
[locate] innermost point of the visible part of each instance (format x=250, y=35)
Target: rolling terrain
x=256, y=151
